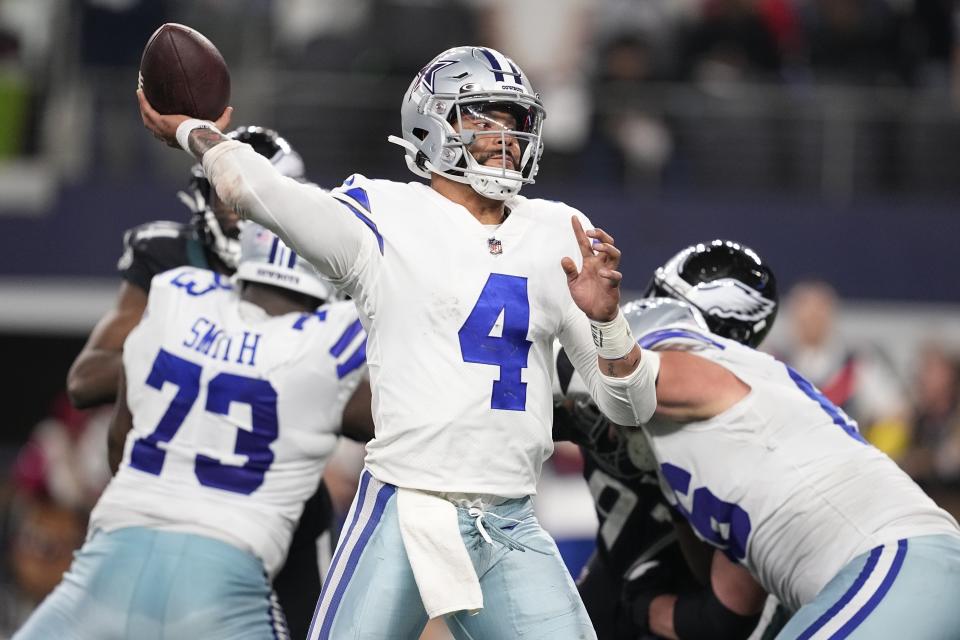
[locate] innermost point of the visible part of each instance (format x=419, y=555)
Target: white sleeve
x=628, y=401
x=309, y=220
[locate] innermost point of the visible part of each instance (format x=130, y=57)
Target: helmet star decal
x=430, y=71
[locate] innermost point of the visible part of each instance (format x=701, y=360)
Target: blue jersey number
x=507, y=296
x=839, y=417
x=222, y=391
x=725, y=525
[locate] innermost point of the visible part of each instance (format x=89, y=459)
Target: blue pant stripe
x=875, y=599
x=847, y=597
x=385, y=493
x=358, y=507
x=278, y=622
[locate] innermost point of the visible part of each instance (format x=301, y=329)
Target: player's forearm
x=620, y=367
x=661, y=616
x=120, y=424
x=630, y=399
x=309, y=220
x=92, y=379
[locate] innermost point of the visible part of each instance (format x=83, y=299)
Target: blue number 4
x=222, y=391
x=504, y=296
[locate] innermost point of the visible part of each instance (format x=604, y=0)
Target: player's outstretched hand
x=596, y=287
x=164, y=128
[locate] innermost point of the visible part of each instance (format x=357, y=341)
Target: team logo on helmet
x=729, y=298
x=429, y=72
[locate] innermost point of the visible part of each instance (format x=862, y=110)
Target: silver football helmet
x=264, y=258
x=267, y=143
x=461, y=96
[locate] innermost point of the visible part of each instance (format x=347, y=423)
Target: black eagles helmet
x=267, y=143
x=728, y=283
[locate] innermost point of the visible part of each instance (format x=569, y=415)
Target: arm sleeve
x=309, y=220
x=628, y=401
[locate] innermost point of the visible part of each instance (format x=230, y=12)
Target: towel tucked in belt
x=430, y=528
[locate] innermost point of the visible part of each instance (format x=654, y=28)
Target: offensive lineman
x=221, y=442
x=210, y=241
x=775, y=477
x=637, y=553
x=463, y=286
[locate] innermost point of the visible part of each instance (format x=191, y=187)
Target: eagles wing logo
x=728, y=298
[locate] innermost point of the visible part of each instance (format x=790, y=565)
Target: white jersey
x=782, y=481
x=461, y=318
x=234, y=413
x=462, y=367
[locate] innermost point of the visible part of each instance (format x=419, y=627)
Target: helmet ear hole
x=421, y=134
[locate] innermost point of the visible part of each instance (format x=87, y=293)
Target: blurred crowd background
x=823, y=133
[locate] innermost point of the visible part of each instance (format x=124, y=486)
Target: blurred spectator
x=629, y=142
x=14, y=95
x=320, y=35
x=64, y=460
x=28, y=32
x=856, y=42
x=42, y=538
x=733, y=42
x=856, y=377
x=114, y=31
x=935, y=454
x=932, y=32
x=57, y=477
x=550, y=40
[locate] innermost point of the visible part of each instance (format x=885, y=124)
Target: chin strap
x=494, y=188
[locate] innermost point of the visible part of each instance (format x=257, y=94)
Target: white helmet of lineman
x=469, y=83
x=264, y=258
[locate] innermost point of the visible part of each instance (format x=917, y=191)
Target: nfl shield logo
x=495, y=246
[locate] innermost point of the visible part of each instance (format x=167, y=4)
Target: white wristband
x=613, y=339
x=183, y=131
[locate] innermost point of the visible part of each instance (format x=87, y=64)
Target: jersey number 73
x=223, y=390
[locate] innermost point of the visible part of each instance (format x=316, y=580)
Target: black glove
x=643, y=583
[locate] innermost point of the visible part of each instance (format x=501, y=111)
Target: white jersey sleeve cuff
x=639, y=389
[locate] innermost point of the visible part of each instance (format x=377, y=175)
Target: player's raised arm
x=304, y=216
x=623, y=378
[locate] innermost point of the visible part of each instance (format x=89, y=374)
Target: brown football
x=181, y=72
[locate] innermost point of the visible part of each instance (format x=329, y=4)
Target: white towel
x=430, y=528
